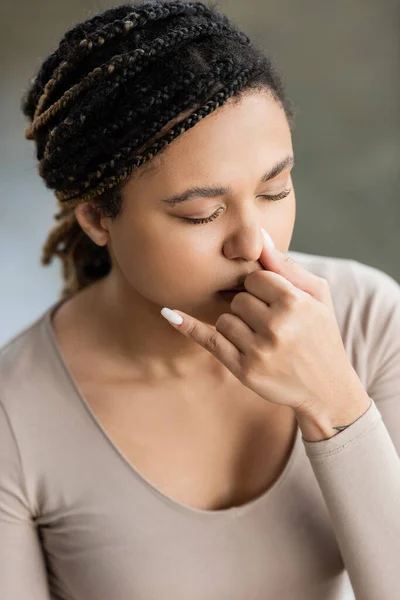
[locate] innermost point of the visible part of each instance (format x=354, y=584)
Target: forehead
x=239, y=140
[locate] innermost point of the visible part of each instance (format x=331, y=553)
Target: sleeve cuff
x=338, y=442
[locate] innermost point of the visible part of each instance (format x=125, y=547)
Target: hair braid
x=108, y=32
x=127, y=163
x=184, y=87
x=102, y=103
x=73, y=37
x=134, y=61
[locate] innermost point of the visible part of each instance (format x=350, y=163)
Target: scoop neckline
x=233, y=511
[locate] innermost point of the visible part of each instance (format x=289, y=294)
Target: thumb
x=274, y=260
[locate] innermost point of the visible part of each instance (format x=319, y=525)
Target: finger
x=282, y=264
x=236, y=330
x=269, y=287
x=210, y=339
x=253, y=311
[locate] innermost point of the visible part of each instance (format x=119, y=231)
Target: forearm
x=358, y=473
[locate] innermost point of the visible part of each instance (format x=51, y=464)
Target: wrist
x=332, y=420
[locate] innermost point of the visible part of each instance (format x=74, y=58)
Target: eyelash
x=214, y=215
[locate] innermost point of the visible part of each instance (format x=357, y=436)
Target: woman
x=250, y=451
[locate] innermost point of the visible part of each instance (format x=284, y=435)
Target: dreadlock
x=99, y=102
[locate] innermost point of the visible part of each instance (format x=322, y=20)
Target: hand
x=282, y=339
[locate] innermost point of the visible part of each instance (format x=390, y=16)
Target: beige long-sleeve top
x=79, y=522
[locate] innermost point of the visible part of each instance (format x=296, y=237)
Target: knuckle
x=290, y=298
x=193, y=329
x=247, y=372
x=323, y=289
x=322, y=283
x=277, y=328
x=254, y=362
x=281, y=330
x=289, y=260
x=258, y=348
x=211, y=342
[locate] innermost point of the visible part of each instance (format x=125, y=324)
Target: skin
x=160, y=260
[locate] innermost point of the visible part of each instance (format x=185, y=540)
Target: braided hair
x=99, y=102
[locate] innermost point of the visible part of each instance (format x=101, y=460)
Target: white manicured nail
x=171, y=316
x=268, y=238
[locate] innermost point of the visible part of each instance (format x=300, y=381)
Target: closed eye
x=216, y=213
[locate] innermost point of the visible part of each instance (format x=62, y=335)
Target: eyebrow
x=213, y=191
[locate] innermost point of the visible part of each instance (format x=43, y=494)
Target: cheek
x=291, y=216
x=283, y=223
x=154, y=263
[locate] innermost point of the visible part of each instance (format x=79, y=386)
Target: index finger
x=210, y=339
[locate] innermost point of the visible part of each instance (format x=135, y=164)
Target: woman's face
x=159, y=256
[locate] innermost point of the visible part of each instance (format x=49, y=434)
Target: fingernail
x=268, y=238
x=171, y=316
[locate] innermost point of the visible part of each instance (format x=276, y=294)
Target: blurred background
x=340, y=61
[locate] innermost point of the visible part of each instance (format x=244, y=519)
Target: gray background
x=340, y=61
